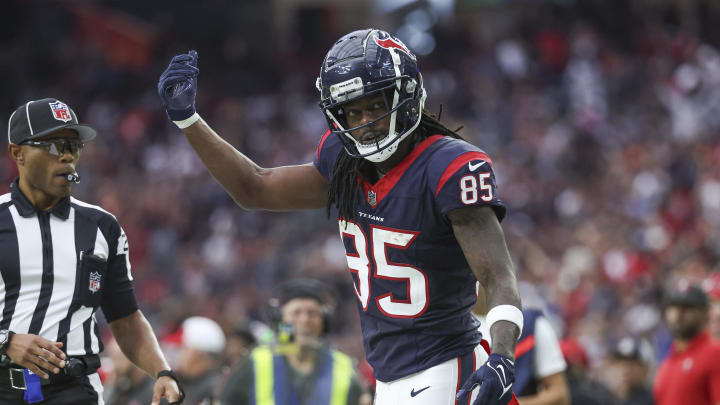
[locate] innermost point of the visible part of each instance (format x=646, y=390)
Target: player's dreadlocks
x=344, y=187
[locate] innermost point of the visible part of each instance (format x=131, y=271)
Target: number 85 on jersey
x=359, y=263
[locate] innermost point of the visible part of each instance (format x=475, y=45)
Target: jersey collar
x=374, y=193
x=697, y=341
x=26, y=209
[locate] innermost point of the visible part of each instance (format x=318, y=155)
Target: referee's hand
x=166, y=387
x=37, y=354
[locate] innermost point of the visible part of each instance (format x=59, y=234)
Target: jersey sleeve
x=327, y=151
x=465, y=179
x=118, y=299
x=548, y=359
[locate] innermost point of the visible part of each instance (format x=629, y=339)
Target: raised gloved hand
x=178, y=84
x=495, y=378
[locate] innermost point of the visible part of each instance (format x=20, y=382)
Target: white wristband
x=508, y=313
x=188, y=121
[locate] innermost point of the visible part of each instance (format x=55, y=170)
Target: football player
x=417, y=210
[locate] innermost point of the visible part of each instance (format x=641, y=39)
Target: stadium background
x=602, y=119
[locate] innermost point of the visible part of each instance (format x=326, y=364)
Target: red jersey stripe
x=459, y=359
x=524, y=346
x=322, y=141
x=474, y=368
x=457, y=164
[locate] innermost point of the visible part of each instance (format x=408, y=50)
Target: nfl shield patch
x=94, y=282
x=372, y=198
x=60, y=111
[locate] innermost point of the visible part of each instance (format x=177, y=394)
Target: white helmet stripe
x=398, y=85
x=365, y=40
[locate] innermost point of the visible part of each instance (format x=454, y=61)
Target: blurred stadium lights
x=441, y=9
x=419, y=41
x=421, y=19
x=388, y=6
x=418, y=19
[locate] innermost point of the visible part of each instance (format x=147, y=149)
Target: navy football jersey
x=414, y=287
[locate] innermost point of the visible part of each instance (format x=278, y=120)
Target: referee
x=60, y=260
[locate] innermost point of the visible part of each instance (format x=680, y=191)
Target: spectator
x=691, y=372
x=712, y=287
x=200, y=357
x=301, y=369
x=239, y=344
x=583, y=389
x=631, y=359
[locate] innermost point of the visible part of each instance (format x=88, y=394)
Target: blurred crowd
x=603, y=123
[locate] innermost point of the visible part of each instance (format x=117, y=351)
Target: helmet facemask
x=394, y=74
x=403, y=105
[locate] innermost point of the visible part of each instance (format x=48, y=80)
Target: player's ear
x=17, y=153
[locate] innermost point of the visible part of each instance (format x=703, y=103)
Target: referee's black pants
x=76, y=392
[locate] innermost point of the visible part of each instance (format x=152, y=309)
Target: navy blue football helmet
x=367, y=62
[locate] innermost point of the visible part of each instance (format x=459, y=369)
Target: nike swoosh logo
x=499, y=367
x=413, y=392
x=472, y=167
x=502, y=380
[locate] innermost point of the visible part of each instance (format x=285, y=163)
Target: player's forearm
x=139, y=344
x=483, y=243
x=237, y=174
x=502, y=290
x=496, y=274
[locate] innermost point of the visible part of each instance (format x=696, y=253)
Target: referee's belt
x=75, y=367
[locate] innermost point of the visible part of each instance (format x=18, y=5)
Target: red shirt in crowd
x=691, y=377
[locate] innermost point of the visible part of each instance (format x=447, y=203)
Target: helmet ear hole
x=410, y=86
x=412, y=113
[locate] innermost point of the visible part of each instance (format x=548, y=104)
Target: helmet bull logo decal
x=389, y=42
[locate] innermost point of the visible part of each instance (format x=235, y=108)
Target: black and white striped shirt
x=58, y=267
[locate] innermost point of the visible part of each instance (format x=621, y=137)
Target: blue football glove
x=178, y=84
x=495, y=378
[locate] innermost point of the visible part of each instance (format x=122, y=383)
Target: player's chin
x=60, y=187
